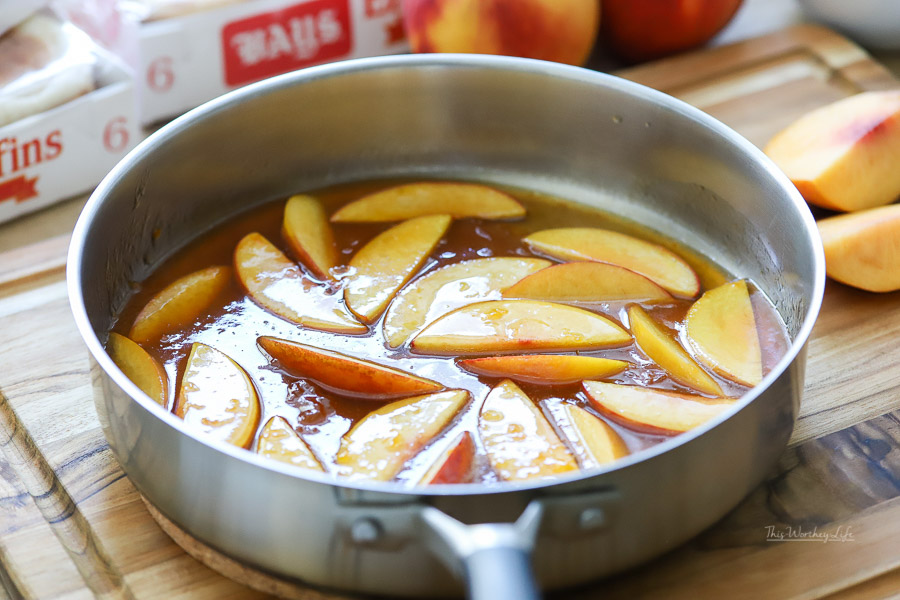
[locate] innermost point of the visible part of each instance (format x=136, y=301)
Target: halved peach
x=217, y=397
x=308, y=233
x=388, y=261
x=663, y=349
x=587, y=282
x=440, y=291
x=344, y=374
x=519, y=441
x=659, y=264
x=179, y=303
x=862, y=249
x=721, y=329
x=279, y=441
x=593, y=442
x=652, y=410
x=454, y=465
x=844, y=155
x=141, y=368
x=498, y=326
x=379, y=445
x=459, y=200
x=544, y=369
x=277, y=284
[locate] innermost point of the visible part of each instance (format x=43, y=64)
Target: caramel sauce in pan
x=322, y=417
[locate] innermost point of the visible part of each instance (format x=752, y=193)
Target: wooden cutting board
x=72, y=525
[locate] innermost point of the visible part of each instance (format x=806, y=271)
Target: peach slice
x=450, y=287
x=141, y=368
x=658, y=264
x=388, y=261
x=587, y=282
x=594, y=442
x=660, y=345
x=217, y=397
x=454, y=465
x=279, y=441
x=544, y=369
x=179, y=303
x=278, y=285
x=863, y=249
x=308, y=233
x=379, y=445
x=498, y=326
x=721, y=329
x=519, y=441
x=844, y=155
x=459, y=200
x=651, y=410
x=344, y=374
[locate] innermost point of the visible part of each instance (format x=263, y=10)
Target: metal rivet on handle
x=591, y=518
x=366, y=530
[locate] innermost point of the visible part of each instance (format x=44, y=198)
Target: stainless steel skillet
x=566, y=131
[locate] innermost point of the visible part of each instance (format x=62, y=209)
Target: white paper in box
x=67, y=150
x=185, y=61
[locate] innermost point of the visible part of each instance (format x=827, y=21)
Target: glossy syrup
x=322, y=417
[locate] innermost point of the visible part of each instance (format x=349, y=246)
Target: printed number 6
x=159, y=74
x=115, y=135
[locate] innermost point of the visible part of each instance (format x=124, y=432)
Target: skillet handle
x=493, y=558
x=501, y=573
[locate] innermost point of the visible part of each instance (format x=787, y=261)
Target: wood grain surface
x=72, y=525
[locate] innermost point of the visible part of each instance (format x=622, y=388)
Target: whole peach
x=639, y=30
x=558, y=30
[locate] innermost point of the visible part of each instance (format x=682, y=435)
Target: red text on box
x=279, y=41
x=381, y=8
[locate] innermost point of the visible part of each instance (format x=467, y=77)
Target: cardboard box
x=184, y=61
x=67, y=150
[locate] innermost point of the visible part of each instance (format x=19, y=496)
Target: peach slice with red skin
x=345, y=374
x=450, y=287
x=279, y=441
x=844, y=155
x=279, y=286
x=721, y=328
x=217, y=397
x=587, y=282
x=661, y=346
x=454, y=465
x=141, y=368
x=508, y=326
x=519, y=441
x=594, y=443
x=652, y=410
x=381, y=443
x=544, y=369
x=459, y=200
x=308, y=233
x=384, y=265
x=862, y=249
x=660, y=265
x=179, y=303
